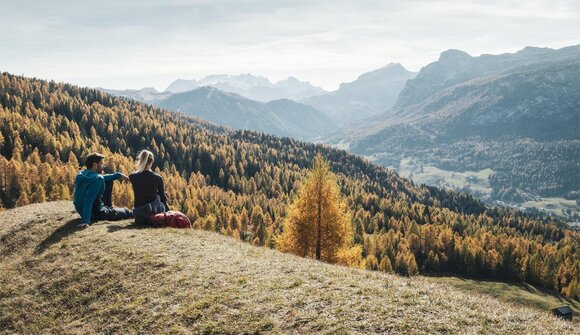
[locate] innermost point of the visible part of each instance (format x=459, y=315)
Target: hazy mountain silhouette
x=280, y=117
x=370, y=94
x=252, y=87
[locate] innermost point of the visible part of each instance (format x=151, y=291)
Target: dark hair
x=93, y=158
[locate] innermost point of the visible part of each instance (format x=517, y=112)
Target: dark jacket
x=146, y=185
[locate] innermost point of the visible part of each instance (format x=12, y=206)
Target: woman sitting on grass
x=150, y=197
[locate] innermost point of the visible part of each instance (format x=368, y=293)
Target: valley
x=477, y=183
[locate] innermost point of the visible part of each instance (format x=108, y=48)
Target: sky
x=133, y=44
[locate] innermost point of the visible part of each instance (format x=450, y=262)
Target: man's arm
x=115, y=176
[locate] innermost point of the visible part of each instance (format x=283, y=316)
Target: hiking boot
x=83, y=225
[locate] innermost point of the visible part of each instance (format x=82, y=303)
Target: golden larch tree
x=318, y=221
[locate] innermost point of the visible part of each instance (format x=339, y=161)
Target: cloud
x=142, y=43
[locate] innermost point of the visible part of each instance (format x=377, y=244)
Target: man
x=93, y=193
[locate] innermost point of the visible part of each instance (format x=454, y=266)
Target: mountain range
x=281, y=117
x=250, y=86
x=455, y=67
x=372, y=93
x=464, y=112
x=459, y=113
x=237, y=101
x=145, y=94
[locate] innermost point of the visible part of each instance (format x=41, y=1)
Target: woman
x=148, y=188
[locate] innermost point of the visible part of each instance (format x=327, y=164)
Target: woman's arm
x=161, y=193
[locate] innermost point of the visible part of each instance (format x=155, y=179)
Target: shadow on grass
x=132, y=226
x=61, y=232
x=501, y=288
x=71, y=227
x=529, y=288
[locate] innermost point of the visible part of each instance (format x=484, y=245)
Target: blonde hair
x=144, y=160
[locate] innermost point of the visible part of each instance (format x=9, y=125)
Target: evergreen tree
x=318, y=222
x=385, y=265
x=258, y=225
x=23, y=199
x=371, y=263
x=38, y=194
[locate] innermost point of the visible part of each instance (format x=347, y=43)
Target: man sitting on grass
x=93, y=193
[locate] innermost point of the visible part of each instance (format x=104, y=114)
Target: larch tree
x=318, y=221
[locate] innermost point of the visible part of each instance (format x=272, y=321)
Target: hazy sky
x=132, y=44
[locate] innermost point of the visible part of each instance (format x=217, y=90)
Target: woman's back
x=146, y=185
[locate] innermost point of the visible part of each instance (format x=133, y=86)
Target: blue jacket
x=88, y=186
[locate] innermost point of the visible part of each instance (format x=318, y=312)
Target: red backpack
x=173, y=219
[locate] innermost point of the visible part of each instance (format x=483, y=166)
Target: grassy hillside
x=116, y=278
x=521, y=293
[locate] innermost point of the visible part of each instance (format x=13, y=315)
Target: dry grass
x=520, y=293
x=115, y=278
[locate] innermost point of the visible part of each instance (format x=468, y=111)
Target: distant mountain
x=541, y=103
x=370, y=94
x=454, y=67
x=146, y=94
x=280, y=117
x=518, y=114
x=182, y=85
x=535, y=102
x=252, y=87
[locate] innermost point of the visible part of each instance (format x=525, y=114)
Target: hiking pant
x=108, y=212
x=142, y=213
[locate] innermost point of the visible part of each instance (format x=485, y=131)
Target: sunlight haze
x=134, y=44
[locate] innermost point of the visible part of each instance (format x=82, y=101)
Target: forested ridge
x=240, y=183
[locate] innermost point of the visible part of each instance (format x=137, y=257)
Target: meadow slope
x=117, y=278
